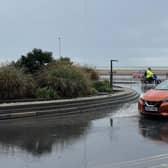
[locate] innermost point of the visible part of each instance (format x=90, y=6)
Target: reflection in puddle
x=39, y=140
x=154, y=129
x=38, y=136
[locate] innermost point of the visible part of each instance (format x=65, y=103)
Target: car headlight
x=141, y=96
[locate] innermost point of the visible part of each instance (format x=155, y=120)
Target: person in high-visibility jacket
x=149, y=73
x=149, y=77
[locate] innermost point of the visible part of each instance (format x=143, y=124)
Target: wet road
x=87, y=141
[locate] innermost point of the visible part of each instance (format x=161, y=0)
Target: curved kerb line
x=137, y=161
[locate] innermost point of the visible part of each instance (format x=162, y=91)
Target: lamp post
x=111, y=73
x=59, y=46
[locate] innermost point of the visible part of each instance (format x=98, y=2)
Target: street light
x=111, y=73
x=59, y=46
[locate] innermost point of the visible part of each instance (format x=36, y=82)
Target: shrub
x=68, y=81
x=93, y=75
x=102, y=86
x=46, y=93
x=93, y=91
x=14, y=83
x=33, y=61
x=64, y=60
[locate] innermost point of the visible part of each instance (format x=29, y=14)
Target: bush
x=93, y=75
x=102, y=86
x=46, y=93
x=14, y=83
x=68, y=81
x=93, y=91
x=34, y=61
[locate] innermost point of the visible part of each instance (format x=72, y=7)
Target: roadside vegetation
x=14, y=83
x=38, y=75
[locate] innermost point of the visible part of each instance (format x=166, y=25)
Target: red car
x=155, y=101
x=138, y=74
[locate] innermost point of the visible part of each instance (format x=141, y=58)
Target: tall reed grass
x=14, y=83
x=67, y=80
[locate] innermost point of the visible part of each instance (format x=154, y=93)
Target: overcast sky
x=92, y=32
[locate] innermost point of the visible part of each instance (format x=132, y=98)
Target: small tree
x=65, y=60
x=34, y=60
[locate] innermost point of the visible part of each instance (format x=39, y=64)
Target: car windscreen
x=162, y=86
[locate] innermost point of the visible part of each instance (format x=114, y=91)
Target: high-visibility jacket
x=149, y=74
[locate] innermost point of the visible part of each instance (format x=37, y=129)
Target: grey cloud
x=92, y=31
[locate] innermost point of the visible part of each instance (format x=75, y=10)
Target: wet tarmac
x=115, y=138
